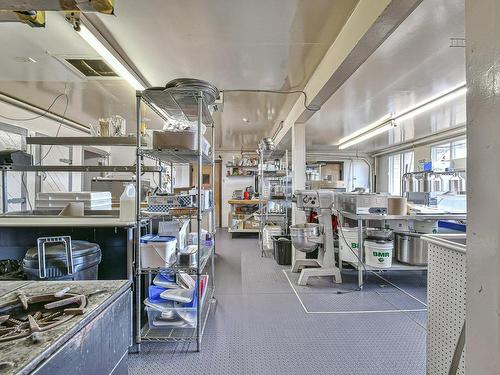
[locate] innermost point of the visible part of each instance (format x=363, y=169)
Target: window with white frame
x=399, y=164
x=444, y=155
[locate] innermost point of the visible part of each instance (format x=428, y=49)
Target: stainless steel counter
x=51, y=218
x=354, y=216
x=361, y=265
x=94, y=343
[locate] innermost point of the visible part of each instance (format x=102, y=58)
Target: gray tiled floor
x=260, y=327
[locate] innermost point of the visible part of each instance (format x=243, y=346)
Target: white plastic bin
x=157, y=252
x=348, y=240
x=379, y=253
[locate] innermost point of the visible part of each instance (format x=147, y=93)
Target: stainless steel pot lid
x=57, y=251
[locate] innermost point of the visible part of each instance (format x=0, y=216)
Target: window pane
x=395, y=174
x=441, y=152
x=459, y=150
x=408, y=164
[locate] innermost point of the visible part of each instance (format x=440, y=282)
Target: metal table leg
x=360, y=253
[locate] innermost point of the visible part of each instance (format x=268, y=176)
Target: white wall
x=45, y=126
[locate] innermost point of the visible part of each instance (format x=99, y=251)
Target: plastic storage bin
x=157, y=251
x=168, y=314
x=282, y=250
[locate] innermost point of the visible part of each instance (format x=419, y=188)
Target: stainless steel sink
x=53, y=213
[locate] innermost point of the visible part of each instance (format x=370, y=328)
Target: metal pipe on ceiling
x=21, y=104
x=423, y=141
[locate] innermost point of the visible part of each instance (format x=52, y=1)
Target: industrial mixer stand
x=324, y=265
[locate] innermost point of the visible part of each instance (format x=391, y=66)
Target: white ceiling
x=237, y=44
x=413, y=64
x=41, y=81
x=259, y=44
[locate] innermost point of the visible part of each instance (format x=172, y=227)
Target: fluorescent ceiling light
x=387, y=122
x=431, y=103
x=367, y=135
x=117, y=66
x=365, y=129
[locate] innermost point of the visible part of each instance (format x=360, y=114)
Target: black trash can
x=86, y=259
x=282, y=250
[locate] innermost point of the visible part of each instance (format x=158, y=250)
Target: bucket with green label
x=379, y=253
x=349, y=246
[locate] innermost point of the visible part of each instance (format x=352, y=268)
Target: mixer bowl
x=305, y=237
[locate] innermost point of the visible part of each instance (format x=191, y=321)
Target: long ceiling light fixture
x=390, y=121
x=431, y=103
x=115, y=64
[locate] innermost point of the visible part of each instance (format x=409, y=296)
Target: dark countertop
x=22, y=355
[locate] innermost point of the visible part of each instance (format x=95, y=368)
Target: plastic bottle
x=127, y=203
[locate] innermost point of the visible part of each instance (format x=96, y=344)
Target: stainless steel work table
x=396, y=266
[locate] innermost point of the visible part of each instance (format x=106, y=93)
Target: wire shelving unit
x=280, y=177
x=184, y=105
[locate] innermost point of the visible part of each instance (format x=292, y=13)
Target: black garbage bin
x=282, y=250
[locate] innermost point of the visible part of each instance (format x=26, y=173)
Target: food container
x=305, y=236
x=378, y=253
x=349, y=245
x=168, y=314
x=411, y=249
x=179, y=140
x=104, y=129
x=157, y=251
x=397, y=206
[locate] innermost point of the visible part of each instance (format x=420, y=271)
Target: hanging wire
x=58, y=130
x=38, y=116
x=309, y=107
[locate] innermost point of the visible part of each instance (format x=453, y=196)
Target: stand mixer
x=309, y=237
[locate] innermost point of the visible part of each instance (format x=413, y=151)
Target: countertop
x=25, y=356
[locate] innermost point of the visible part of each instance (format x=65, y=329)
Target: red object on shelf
x=246, y=195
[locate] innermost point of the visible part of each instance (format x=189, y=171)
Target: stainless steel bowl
x=305, y=236
x=378, y=233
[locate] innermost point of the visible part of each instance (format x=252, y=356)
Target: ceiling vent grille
x=92, y=68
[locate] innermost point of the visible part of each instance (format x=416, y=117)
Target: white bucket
x=348, y=240
x=379, y=254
